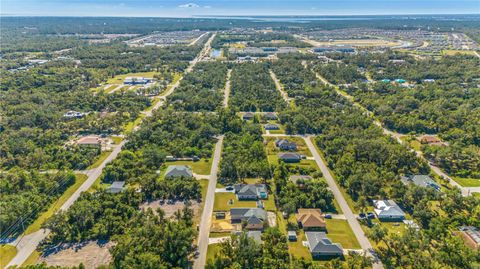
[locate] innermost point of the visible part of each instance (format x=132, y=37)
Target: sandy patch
x=170, y=209
x=92, y=254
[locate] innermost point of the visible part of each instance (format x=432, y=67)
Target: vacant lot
x=92, y=254
x=170, y=209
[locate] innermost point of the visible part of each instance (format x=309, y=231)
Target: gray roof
x=255, y=235
x=116, y=187
x=249, y=189
x=319, y=243
x=247, y=213
x=179, y=171
x=387, y=208
x=271, y=126
x=424, y=181
x=292, y=233
x=289, y=155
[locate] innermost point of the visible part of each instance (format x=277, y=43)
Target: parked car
x=328, y=216
x=370, y=215
x=229, y=188
x=362, y=216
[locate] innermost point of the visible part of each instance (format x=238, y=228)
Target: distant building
x=284, y=144
x=388, y=210
x=254, y=217
x=136, y=80
x=250, y=191
x=73, y=114
x=399, y=80
x=425, y=181
x=472, y=236
x=431, y=140
x=324, y=49
x=429, y=80
x=321, y=246
x=290, y=157
x=116, y=187
x=270, y=126
x=310, y=219
x=270, y=116
x=174, y=171
x=248, y=116
x=91, y=140
x=385, y=80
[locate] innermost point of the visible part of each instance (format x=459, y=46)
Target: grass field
x=467, y=182
x=301, y=146
x=131, y=125
x=201, y=167
x=118, y=79
x=116, y=139
x=215, y=235
x=36, y=225
x=7, y=253
x=32, y=259
x=453, y=52
x=221, y=202
x=100, y=159
x=212, y=250
x=340, y=232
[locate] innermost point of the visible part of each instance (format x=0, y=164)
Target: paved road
x=205, y=222
x=228, y=87
x=466, y=191
x=27, y=244
x=279, y=87
x=347, y=212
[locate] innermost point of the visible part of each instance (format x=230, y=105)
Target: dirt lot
x=92, y=254
x=171, y=209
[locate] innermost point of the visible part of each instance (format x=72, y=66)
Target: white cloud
x=207, y=7
x=189, y=5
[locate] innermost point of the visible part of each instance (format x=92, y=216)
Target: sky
x=189, y=8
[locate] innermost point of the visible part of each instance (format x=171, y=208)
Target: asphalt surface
x=205, y=222
x=26, y=245
x=279, y=87
x=347, y=212
x=228, y=87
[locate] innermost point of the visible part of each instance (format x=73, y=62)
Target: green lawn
x=111, y=87
x=215, y=235
x=221, y=202
x=118, y=79
x=297, y=249
x=201, y=167
x=301, y=146
x=36, y=225
x=467, y=182
x=212, y=250
x=32, y=259
x=7, y=253
x=116, y=139
x=339, y=231
x=130, y=125
x=100, y=159
x=476, y=194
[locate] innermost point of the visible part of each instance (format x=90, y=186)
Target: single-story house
x=473, y=235
x=254, y=217
x=292, y=236
x=310, y=219
x=321, y=246
x=425, y=181
x=248, y=116
x=136, y=80
x=116, y=187
x=290, y=157
x=270, y=126
x=284, y=144
x=270, y=116
x=91, y=140
x=388, y=210
x=250, y=191
x=256, y=236
x=178, y=171
x=431, y=140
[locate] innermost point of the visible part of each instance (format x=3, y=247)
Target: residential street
x=350, y=217
x=27, y=244
x=228, y=86
x=279, y=87
x=205, y=222
x=466, y=191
